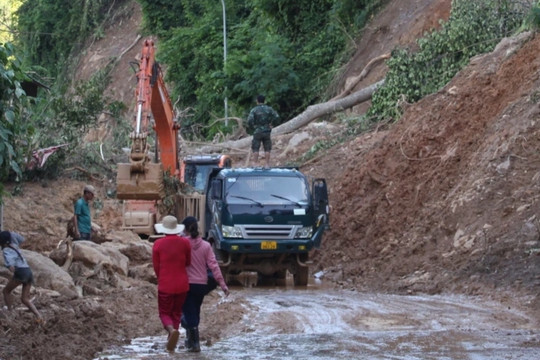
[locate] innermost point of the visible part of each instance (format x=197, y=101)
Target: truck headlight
x=231, y=231
x=304, y=232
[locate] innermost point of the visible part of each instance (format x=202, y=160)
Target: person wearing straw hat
x=171, y=255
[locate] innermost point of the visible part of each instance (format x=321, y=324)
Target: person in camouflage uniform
x=261, y=119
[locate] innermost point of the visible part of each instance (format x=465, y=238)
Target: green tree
x=15, y=129
x=50, y=31
x=7, y=27
x=289, y=51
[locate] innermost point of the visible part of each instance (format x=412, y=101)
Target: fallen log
x=313, y=112
x=355, y=80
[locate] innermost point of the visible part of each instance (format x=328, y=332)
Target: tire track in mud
x=326, y=324
x=314, y=312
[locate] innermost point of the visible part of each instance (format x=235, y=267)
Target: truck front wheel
x=221, y=256
x=300, y=277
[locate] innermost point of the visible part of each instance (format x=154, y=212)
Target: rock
x=143, y=272
x=59, y=254
x=92, y=254
x=49, y=275
x=137, y=250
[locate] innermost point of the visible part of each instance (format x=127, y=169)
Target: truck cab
x=265, y=220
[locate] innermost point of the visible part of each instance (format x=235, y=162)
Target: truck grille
x=269, y=231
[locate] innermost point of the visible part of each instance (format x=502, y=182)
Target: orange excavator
x=141, y=181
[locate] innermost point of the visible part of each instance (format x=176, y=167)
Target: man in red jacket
x=170, y=256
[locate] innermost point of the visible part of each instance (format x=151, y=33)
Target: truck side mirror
x=320, y=195
x=216, y=192
x=320, y=202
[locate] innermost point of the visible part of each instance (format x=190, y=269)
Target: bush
x=474, y=27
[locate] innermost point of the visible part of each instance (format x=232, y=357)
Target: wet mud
x=321, y=323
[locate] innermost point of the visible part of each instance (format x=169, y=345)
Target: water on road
x=321, y=323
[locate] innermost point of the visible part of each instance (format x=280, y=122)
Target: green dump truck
x=265, y=220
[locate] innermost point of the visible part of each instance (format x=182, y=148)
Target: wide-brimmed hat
x=169, y=225
x=90, y=189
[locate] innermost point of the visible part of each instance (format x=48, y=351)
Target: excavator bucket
x=147, y=185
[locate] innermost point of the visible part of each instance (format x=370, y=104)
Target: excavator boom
x=140, y=182
x=142, y=179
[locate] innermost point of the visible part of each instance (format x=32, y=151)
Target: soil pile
x=447, y=199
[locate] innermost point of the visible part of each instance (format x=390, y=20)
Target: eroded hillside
x=447, y=199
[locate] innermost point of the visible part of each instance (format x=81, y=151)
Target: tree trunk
x=354, y=81
x=312, y=112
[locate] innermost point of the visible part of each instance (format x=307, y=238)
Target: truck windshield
x=196, y=175
x=267, y=190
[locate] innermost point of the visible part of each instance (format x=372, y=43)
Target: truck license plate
x=268, y=245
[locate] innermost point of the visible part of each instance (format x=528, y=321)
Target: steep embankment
x=448, y=198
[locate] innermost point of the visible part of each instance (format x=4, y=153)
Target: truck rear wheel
x=300, y=277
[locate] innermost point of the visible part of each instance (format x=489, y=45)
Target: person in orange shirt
x=171, y=255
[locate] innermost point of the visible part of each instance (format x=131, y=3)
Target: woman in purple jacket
x=202, y=259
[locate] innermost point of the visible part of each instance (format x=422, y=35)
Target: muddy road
x=322, y=323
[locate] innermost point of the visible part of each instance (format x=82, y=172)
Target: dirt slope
x=444, y=201
x=447, y=199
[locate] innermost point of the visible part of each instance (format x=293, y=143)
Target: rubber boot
x=196, y=344
x=188, y=343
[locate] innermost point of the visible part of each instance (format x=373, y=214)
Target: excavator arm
x=142, y=179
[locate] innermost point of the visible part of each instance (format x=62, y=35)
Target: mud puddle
x=320, y=323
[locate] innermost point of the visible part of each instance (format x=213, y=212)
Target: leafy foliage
x=66, y=116
x=474, y=27
x=7, y=8
x=14, y=127
x=532, y=21
x=289, y=51
x=63, y=117
x=51, y=30
x=52, y=118
x=285, y=50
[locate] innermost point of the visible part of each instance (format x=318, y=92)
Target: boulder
x=143, y=272
x=123, y=236
x=49, y=275
x=139, y=252
x=92, y=254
